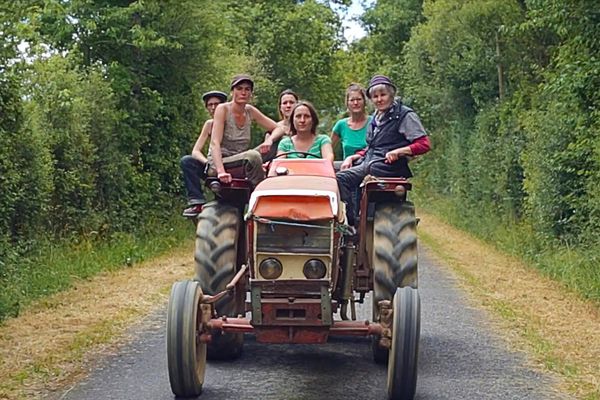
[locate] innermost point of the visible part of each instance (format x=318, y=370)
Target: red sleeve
x=420, y=145
x=361, y=152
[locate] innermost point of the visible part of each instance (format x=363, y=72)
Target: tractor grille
x=314, y=237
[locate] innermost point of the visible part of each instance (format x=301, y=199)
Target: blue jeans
x=350, y=179
x=193, y=175
x=348, y=182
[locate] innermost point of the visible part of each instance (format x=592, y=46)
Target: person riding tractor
x=278, y=259
x=394, y=134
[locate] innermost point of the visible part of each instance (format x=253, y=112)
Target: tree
x=296, y=43
x=389, y=24
x=154, y=52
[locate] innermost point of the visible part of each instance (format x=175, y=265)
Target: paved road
x=459, y=359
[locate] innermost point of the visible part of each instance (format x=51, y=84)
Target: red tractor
x=280, y=262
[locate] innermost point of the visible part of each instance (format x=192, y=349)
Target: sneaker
x=193, y=210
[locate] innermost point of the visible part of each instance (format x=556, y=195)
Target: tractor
x=280, y=262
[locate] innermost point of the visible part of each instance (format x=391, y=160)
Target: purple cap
x=379, y=80
x=242, y=78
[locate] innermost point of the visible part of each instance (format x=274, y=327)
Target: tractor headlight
x=314, y=269
x=270, y=268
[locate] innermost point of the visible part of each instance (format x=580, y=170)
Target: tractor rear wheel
x=216, y=265
x=186, y=355
x=406, y=328
x=393, y=259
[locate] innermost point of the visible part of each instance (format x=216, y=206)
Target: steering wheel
x=303, y=153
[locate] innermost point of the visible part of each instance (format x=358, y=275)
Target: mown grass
x=555, y=327
x=577, y=268
x=50, y=267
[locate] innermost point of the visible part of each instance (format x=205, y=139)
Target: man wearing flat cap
x=193, y=165
x=394, y=134
x=231, y=134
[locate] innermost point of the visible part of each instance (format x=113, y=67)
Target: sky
x=352, y=29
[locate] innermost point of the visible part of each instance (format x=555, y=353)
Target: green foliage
x=530, y=155
x=558, y=162
x=92, y=141
x=388, y=24
x=297, y=43
x=522, y=169
x=576, y=269
x=451, y=63
x=54, y=266
x=563, y=124
x=61, y=116
x=91, y=176
x=10, y=178
x=94, y=120
x=155, y=52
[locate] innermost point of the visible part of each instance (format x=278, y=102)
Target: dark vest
x=385, y=136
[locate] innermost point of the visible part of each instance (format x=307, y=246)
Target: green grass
x=49, y=267
x=578, y=269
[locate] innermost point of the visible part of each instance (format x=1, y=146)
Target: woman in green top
x=352, y=131
x=303, y=130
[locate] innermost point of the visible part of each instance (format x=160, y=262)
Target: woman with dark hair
x=352, y=131
x=286, y=102
x=304, y=138
x=285, y=105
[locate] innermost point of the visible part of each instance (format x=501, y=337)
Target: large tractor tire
x=216, y=259
x=394, y=258
x=186, y=355
x=404, y=353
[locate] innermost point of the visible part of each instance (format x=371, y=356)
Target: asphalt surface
x=460, y=358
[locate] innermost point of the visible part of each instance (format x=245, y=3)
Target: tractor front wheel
x=186, y=355
x=404, y=352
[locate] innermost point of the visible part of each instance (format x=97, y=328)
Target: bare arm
x=394, y=155
x=215, y=142
x=279, y=153
x=349, y=161
x=335, y=139
x=204, y=134
x=261, y=119
x=267, y=123
x=419, y=146
x=327, y=151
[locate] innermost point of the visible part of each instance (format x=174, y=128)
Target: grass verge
x=556, y=326
x=578, y=269
x=57, y=339
x=52, y=267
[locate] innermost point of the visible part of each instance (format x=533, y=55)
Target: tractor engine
x=293, y=240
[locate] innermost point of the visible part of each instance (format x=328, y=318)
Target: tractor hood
x=296, y=197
